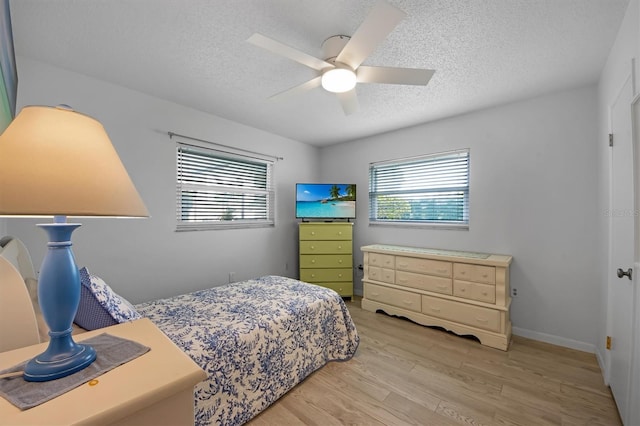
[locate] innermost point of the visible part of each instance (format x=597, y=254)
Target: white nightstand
x=153, y=389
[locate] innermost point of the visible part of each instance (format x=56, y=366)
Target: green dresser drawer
x=326, y=247
x=314, y=275
x=326, y=260
x=332, y=231
x=344, y=289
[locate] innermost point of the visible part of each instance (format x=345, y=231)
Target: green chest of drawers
x=326, y=255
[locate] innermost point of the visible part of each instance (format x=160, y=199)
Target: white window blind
x=222, y=190
x=431, y=189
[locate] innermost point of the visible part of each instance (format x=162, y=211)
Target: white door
x=622, y=275
x=633, y=415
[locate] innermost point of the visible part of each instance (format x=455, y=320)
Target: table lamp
x=57, y=162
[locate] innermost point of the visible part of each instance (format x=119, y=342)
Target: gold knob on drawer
x=339, y=247
x=312, y=247
x=313, y=261
x=340, y=261
x=313, y=233
x=339, y=275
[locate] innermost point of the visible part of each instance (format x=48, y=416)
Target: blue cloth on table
x=111, y=352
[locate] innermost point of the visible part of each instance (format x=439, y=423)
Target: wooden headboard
x=18, y=323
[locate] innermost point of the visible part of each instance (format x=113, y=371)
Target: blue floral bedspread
x=255, y=339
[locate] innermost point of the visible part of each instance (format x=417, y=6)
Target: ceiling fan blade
x=382, y=19
x=349, y=101
x=288, y=52
x=390, y=75
x=301, y=88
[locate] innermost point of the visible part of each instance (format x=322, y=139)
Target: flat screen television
x=326, y=201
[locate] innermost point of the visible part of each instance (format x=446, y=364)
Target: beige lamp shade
x=57, y=162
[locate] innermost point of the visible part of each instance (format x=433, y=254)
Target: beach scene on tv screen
x=326, y=201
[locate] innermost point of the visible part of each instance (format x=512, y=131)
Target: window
x=217, y=189
x=426, y=190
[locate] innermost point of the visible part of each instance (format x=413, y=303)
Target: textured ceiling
x=194, y=53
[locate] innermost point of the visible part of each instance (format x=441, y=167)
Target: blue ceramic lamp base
x=59, y=295
x=51, y=365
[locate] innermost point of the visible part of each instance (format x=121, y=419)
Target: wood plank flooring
x=407, y=374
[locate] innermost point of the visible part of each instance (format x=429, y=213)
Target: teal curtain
x=8, y=70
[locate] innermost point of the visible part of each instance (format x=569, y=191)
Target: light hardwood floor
x=404, y=373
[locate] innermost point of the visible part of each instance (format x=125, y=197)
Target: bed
x=255, y=339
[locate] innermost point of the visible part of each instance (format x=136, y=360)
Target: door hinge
x=610, y=139
x=609, y=342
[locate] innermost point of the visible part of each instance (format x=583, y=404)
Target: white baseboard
x=556, y=340
x=603, y=366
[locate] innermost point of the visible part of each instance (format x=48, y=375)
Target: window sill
x=220, y=226
x=422, y=225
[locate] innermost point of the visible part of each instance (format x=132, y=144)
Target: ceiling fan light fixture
x=338, y=80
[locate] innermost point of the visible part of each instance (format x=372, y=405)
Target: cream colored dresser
x=153, y=389
x=326, y=255
x=467, y=293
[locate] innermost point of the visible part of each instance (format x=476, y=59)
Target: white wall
x=145, y=259
x=532, y=195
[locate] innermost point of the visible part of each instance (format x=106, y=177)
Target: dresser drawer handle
x=375, y=294
x=313, y=275
x=442, y=287
x=462, y=290
x=403, y=280
x=313, y=261
x=485, y=276
x=463, y=273
x=339, y=232
x=339, y=260
x=435, y=309
x=339, y=275
x=312, y=247
x=406, y=302
x=339, y=247
x=484, y=293
x=313, y=233
x=403, y=265
x=442, y=271
x=482, y=320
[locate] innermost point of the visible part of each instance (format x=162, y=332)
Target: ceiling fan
x=342, y=67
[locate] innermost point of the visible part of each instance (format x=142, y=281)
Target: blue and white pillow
x=100, y=306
